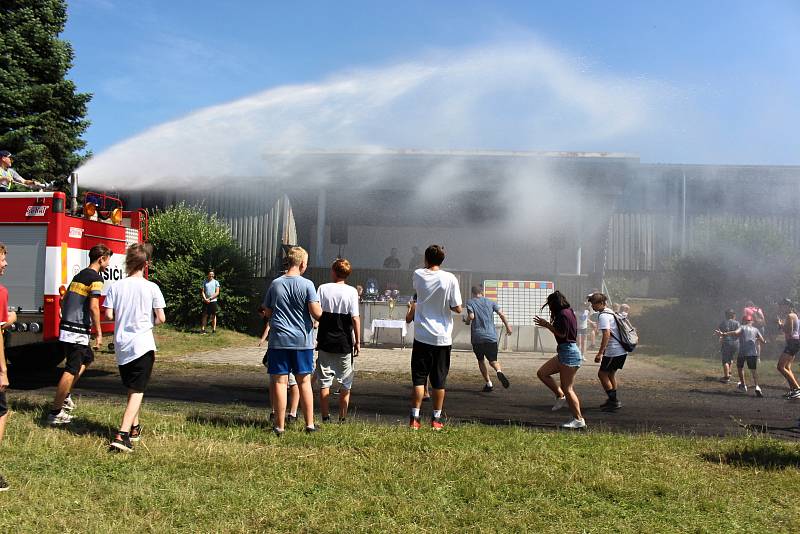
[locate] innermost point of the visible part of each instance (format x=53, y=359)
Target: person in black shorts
x=80, y=309
x=611, y=355
x=135, y=305
x=480, y=317
x=3, y=367
x=438, y=295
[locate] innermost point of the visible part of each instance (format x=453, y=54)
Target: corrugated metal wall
x=646, y=242
x=260, y=220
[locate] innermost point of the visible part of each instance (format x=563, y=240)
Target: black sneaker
x=326, y=418
x=503, y=380
x=135, y=433
x=291, y=418
x=121, y=443
x=343, y=419
x=3, y=484
x=611, y=405
x=487, y=388
x=278, y=431
x=311, y=429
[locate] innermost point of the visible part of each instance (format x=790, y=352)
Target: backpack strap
x=616, y=321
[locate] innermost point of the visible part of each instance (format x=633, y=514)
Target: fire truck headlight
x=116, y=216
x=35, y=328
x=62, y=291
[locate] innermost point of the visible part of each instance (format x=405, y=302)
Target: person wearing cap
x=749, y=339
x=791, y=330
x=8, y=176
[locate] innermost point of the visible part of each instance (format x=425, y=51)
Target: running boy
x=135, y=305
x=728, y=345
x=610, y=355
x=749, y=338
x=438, y=295
x=338, y=338
x=80, y=308
x=480, y=315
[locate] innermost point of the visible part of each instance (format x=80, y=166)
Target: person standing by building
x=583, y=327
x=392, y=261
x=417, y=259
x=8, y=176
x=135, y=305
x=4, y=383
x=210, y=295
x=611, y=356
x=338, y=338
x=791, y=330
x=80, y=309
x=438, y=295
x=728, y=345
x=480, y=317
x=564, y=326
x=291, y=304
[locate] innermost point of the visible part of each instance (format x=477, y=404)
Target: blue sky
x=717, y=81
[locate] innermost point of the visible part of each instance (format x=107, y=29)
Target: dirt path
x=655, y=399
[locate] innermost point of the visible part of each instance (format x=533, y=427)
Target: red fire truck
x=48, y=242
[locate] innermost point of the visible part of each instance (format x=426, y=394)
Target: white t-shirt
x=338, y=298
x=437, y=291
x=606, y=321
x=133, y=300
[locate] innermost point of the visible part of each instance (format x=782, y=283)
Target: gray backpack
x=628, y=336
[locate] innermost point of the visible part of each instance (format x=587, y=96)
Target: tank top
x=747, y=340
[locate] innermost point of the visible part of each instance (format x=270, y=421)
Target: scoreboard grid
x=520, y=300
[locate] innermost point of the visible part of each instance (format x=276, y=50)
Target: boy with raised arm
x=483, y=336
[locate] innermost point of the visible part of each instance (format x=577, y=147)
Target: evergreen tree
x=41, y=114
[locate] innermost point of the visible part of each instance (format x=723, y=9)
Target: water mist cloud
x=519, y=96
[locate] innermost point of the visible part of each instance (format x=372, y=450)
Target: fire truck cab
x=47, y=243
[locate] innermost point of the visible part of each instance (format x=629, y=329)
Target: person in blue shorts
x=291, y=305
x=564, y=326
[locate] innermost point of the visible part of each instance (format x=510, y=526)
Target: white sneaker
x=560, y=403
x=758, y=391
x=61, y=418
x=741, y=386
x=69, y=404
x=575, y=424
x=794, y=394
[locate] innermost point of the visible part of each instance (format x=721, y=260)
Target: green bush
x=187, y=243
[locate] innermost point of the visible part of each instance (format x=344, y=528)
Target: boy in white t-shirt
x=437, y=296
x=135, y=305
x=338, y=338
x=610, y=355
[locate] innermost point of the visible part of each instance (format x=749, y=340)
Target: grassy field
x=205, y=468
x=174, y=342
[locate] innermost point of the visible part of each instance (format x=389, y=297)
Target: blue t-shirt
x=209, y=288
x=290, y=325
x=483, y=330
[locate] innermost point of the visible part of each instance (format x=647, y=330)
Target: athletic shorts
x=569, y=354
x=265, y=361
x=3, y=404
x=610, y=364
x=136, y=374
x=289, y=361
x=792, y=347
x=76, y=355
x=338, y=366
x=727, y=352
x=210, y=308
x=430, y=362
x=752, y=361
x=485, y=350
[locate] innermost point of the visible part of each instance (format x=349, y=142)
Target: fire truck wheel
x=36, y=357
x=111, y=347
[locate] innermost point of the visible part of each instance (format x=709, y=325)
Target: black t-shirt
x=565, y=321
x=335, y=333
x=75, y=315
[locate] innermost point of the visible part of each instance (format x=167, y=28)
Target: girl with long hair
x=564, y=326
